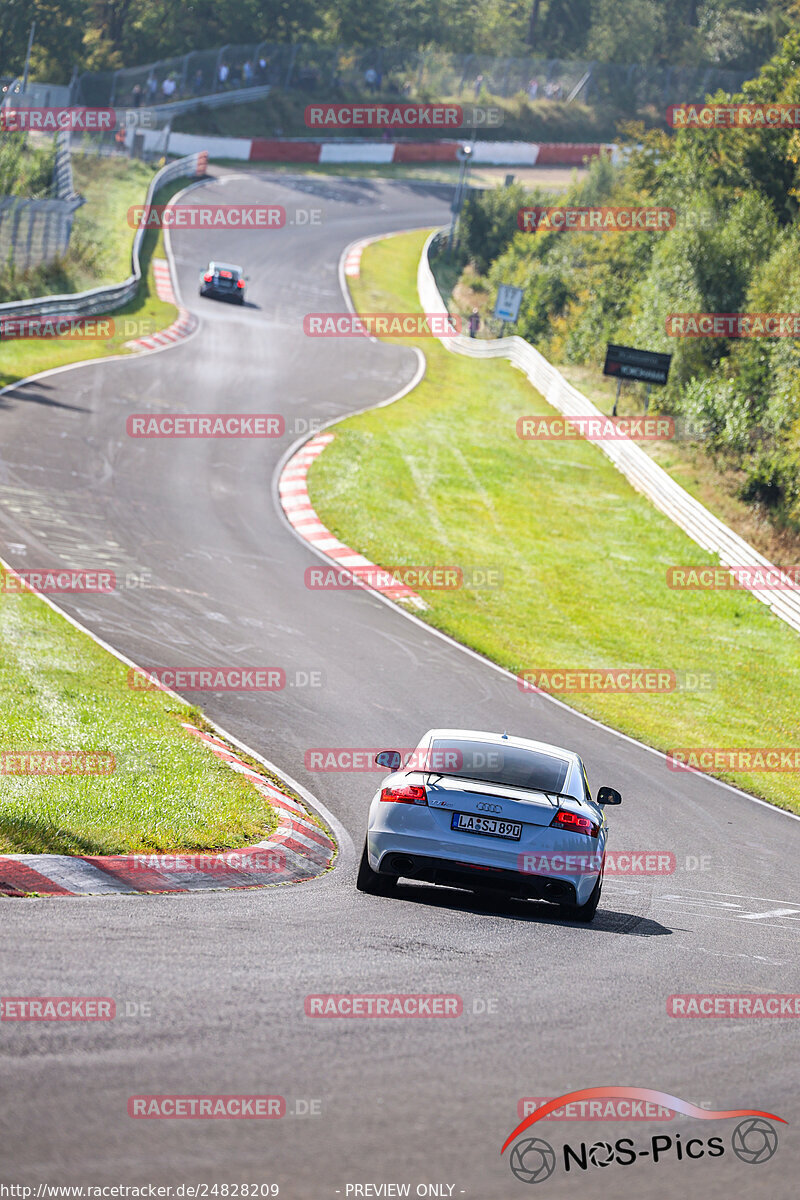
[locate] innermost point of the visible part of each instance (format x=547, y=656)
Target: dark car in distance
x=223, y=281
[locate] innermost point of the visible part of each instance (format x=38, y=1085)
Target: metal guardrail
x=36, y=231
x=63, y=185
x=175, y=108
x=111, y=296
x=645, y=475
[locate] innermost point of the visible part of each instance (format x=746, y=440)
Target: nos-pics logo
x=533, y=1160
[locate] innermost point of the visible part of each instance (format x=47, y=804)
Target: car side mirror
x=608, y=795
x=390, y=759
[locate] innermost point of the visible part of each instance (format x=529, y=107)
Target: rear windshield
x=511, y=766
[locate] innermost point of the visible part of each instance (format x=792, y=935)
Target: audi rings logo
x=754, y=1140
x=533, y=1160
x=483, y=807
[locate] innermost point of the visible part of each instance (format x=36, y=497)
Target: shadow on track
x=529, y=911
x=28, y=394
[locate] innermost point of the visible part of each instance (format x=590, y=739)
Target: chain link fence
x=339, y=72
x=33, y=232
x=110, y=297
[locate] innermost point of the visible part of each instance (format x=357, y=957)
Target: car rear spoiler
x=536, y=791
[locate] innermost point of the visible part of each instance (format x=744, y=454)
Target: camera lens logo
x=601, y=1154
x=754, y=1140
x=533, y=1160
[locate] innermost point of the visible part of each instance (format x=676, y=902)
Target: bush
x=24, y=170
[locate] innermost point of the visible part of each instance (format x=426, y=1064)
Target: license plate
x=466, y=823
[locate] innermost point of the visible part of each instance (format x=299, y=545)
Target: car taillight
x=208, y=278
x=411, y=794
x=240, y=283
x=570, y=820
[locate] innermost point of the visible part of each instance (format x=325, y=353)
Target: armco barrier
x=638, y=468
x=112, y=296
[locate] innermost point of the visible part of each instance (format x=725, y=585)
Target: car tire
x=584, y=912
x=370, y=881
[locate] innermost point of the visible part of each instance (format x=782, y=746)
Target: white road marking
x=772, y=912
x=772, y=962
x=701, y=902
x=739, y=896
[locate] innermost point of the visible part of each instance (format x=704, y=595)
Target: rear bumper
x=236, y=297
x=467, y=875
x=548, y=864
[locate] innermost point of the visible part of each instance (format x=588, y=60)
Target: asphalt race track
x=417, y=1102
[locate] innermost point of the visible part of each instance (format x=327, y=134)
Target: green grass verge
x=441, y=477
x=144, y=315
x=61, y=691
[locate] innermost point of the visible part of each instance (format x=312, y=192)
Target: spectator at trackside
x=370, y=79
x=168, y=87
x=152, y=88
x=136, y=96
x=533, y=88
x=247, y=73
x=478, y=86
x=262, y=70
x=224, y=72
x=474, y=322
